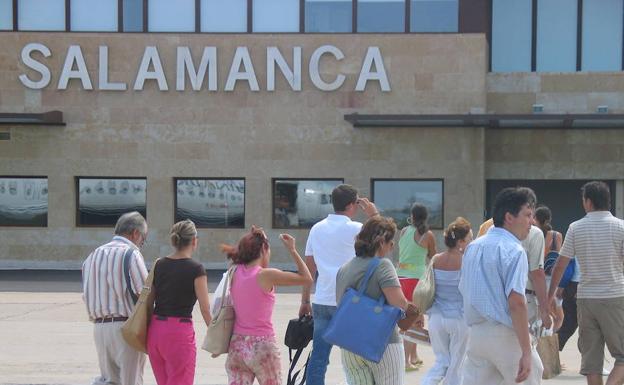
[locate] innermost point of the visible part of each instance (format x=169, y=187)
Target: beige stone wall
x=255, y=135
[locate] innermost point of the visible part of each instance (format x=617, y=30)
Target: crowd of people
x=493, y=296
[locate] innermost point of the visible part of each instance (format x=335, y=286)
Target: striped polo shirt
x=104, y=287
x=597, y=241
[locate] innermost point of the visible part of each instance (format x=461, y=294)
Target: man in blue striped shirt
x=493, y=283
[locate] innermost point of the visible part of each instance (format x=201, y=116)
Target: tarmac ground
x=47, y=338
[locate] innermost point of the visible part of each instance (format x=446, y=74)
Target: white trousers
x=493, y=356
x=389, y=371
x=449, y=338
x=119, y=363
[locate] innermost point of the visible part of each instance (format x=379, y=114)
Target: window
x=6, y=14
x=276, y=16
x=381, y=16
x=602, y=35
x=24, y=201
x=300, y=203
x=435, y=15
x=511, y=35
x=171, y=16
x=556, y=35
x=224, y=16
x=210, y=202
x=328, y=15
x=133, y=15
x=41, y=15
x=93, y=15
x=101, y=201
x=395, y=197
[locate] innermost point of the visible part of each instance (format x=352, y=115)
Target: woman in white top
x=447, y=329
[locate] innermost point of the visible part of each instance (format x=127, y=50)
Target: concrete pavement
x=47, y=339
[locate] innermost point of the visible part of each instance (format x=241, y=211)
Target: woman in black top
x=179, y=282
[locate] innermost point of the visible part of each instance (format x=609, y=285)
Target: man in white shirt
x=330, y=245
x=112, y=278
x=597, y=241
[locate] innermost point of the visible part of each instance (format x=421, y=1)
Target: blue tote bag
x=363, y=325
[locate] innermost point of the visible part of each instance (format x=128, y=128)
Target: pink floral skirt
x=252, y=357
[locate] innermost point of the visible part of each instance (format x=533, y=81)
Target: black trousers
x=570, y=322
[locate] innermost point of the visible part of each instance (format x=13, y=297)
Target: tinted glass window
x=23, y=202
x=171, y=16
x=211, y=202
x=602, y=35
x=224, y=16
x=511, y=35
x=94, y=15
x=328, y=15
x=394, y=198
x=556, y=35
x=301, y=203
x=434, y=15
x=41, y=15
x=381, y=16
x=102, y=201
x=276, y=16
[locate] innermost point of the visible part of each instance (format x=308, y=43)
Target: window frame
x=175, y=200
x=441, y=180
x=47, y=225
x=273, y=191
x=77, y=198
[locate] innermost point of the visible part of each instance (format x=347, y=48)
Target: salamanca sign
x=205, y=75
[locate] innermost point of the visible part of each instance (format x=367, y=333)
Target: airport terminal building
x=243, y=112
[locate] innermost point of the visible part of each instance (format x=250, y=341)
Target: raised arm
x=269, y=278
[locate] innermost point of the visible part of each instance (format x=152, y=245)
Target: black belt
x=164, y=318
x=527, y=291
x=104, y=320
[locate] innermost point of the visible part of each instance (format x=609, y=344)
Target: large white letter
x=103, y=83
x=185, y=61
x=242, y=56
x=315, y=75
x=151, y=56
x=35, y=66
x=292, y=77
x=373, y=55
x=74, y=55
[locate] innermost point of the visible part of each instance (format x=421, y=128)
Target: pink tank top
x=252, y=305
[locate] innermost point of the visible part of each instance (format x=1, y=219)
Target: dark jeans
x=319, y=359
x=570, y=322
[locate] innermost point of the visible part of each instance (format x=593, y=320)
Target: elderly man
x=112, y=276
x=597, y=241
x=493, y=284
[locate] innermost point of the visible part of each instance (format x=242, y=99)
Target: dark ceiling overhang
x=515, y=121
x=50, y=118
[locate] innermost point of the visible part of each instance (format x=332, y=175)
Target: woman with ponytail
x=416, y=247
x=179, y=282
x=253, y=351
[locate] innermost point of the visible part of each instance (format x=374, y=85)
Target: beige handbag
x=219, y=333
x=424, y=292
x=548, y=350
x=134, y=330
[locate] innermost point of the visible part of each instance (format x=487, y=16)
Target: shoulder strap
x=553, y=245
x=422, y=237
x=369, y=272
x=126, y=267
x=226, y=288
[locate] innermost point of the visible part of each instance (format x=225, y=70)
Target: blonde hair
x=182, y=234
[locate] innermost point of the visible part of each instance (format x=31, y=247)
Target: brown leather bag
x=134, y=330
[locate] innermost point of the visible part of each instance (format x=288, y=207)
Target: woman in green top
x=416, y=247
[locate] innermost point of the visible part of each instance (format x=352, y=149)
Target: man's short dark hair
x=599, y=195
x=342, y=196
x=511, y=200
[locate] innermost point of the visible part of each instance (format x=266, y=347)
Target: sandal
x=417, y=362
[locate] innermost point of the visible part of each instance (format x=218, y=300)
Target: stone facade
x=256, y=135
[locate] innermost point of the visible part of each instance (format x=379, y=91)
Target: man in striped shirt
x=110, y=301
x=597, y=241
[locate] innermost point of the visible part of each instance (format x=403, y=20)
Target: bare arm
x=538, y=279
x=557, y=273
x=431, y=246
x=201, y=292
x=519, y=319
x=275, y=277
x=305, y=307
x=394, y=296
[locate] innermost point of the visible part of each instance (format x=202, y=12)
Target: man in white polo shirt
x=597, y=241
x=329, y=246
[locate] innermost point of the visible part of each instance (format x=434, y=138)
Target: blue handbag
x=363, y=325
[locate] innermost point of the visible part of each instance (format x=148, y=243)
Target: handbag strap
x=126, y=269
x=226, y=288
x=292, y=377
x=369, y=273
